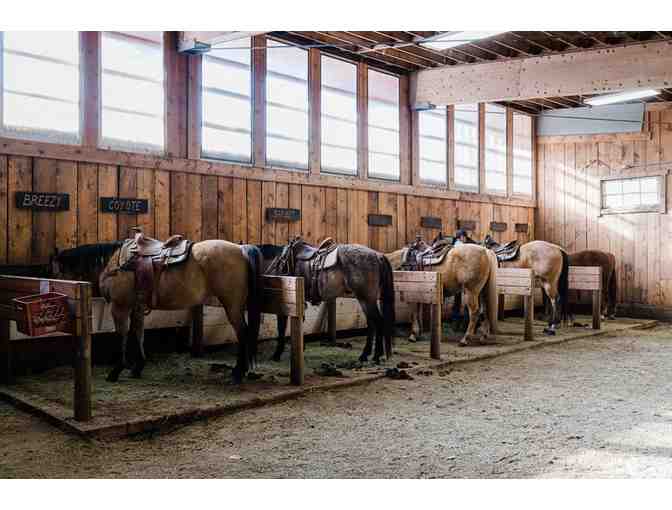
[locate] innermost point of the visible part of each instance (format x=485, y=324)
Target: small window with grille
x=633, y=194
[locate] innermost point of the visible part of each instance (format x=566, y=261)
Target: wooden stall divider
x=589, y=278
x=519, y=282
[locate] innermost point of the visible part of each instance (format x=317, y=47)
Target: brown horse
x=359, y=272
x=227, y=271
x=607, y=261
x=550, y=265
x=467, y=268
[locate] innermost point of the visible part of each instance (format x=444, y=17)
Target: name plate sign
x=282, y=214
x=468, y=225
x=42, y=201
x=522, y=228
x=379, y=220
x=497, y=226
x=124, y=205
x=430, y=222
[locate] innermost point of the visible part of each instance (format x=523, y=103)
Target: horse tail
x=387, y=298
x=254, y=285
x=563, y=286
x=490, y=292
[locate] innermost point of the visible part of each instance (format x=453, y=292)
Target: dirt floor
x=599, y=407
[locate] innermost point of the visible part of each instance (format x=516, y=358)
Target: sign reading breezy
x=380, y=220
x=38, y=201
x=282, y=214
x=124, y=205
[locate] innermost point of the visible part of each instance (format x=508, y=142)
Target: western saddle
x=148, y=258
x=419, y=254
x=504, y=252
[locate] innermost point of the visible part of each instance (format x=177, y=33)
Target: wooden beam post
x=436, y=321
x=597, y=309
x=176, y=75
x=296, y=330
x=259, y=101
x=196, y=331
x=331, y=320
x=82, y=396
x=315, y=109
x=194, y=106
x=362, y=120
x=529, y=315
x=5, y=353
x=90, y=88
x=405, y=129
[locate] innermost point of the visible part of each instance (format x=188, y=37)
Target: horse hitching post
x=296, y=329
x=82, y=400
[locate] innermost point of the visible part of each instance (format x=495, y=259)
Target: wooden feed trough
x=519, y=282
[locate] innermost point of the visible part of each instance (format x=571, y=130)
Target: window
x=339, y=116
x=40, y=85
x=522, y=154
x=132, y=91
x=227, y=102
x=383, y=126
x=495, y=148
x=286, y=106
x=433, y=143
x=635, y=194
x=466, y=147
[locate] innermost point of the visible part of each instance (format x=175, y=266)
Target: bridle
x=284, y=264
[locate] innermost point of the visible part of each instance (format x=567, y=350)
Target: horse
x=467, y=268
x=607, y=261
x=227, y=271
x=357, y=271
x=550, y=264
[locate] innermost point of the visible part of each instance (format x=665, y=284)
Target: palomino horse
x=467, y=268
x=550, y=264
x=607, y=262
x=354, y=271
x=228, y=271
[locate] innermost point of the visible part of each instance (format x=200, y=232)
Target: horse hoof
x=549, y=331
x=463, y=343
x=112, y=377
x=363, y=358
x=412, y=339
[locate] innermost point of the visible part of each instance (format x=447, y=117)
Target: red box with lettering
x=40, y=314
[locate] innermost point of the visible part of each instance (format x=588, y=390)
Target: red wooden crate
x=42, y=313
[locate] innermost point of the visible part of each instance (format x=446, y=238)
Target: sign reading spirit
x=38, y=201
x=124, y=205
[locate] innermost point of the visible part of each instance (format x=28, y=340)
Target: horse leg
x=121, y=319
x=282, y=338
x=138, y=328
x=377, y=317
x=553, y=299
x=415, y=323
x=370, y=331
x=237, y=320
x=457, y=304
x=471, y=301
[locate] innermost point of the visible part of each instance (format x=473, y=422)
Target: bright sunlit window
x=466, y=146
x=433, y=142
x=339, y=116
x=633, y=194
x=495, y=148
x=522, y=154
x=227, y=102
x=132, y=91
x=286, y=106
x=40, y=85
x=383, y=126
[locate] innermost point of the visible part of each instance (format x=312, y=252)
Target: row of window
x=40, y=97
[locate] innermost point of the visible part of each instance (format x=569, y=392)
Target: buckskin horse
x=177, y=275
x=336, y=270
x=549, y=263
x=607, y=261
x=467, y=268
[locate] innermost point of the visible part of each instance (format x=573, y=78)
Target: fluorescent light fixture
x=621, y=97
x=452, y=39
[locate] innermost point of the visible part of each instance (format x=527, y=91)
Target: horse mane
x=270, y=251
x=88, y=251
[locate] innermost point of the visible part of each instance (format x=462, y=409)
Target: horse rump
x=254, y=284
x=387, y=299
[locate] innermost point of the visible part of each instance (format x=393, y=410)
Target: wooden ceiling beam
x=198, y=41
x=581, y=73
x=423, y=51
x=548, y=44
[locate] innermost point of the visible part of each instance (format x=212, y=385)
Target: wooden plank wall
x=211, y=206
x=568, y=213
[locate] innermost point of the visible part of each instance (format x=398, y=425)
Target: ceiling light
x=621, y=97
x=452, y=39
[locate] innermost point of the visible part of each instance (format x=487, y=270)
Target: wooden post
x=501, y=300
x=597, y=309
x=5, y=353
x=82, y=399
x=529, y=316
x=296, y=329
x=196, y=331
x=436, y=320
x=331, y=320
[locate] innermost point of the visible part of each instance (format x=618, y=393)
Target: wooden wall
x=569, y=173
x=203, y=206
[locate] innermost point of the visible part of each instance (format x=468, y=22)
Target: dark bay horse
x=607, y=261
x=359, y=272
x=227, y=271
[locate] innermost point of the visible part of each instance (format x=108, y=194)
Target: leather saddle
x=311, y=261
x=504, y=252
x=148, y=258
x=420, y=255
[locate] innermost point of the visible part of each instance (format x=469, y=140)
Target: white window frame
x=445, y=141
x=109, y=143
x=502, y=110
x=331, y=169
x=461, y=186
x=371, y=174
x=44, y=135
x=513, y=157
x=223, y=156
x=660, y=207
